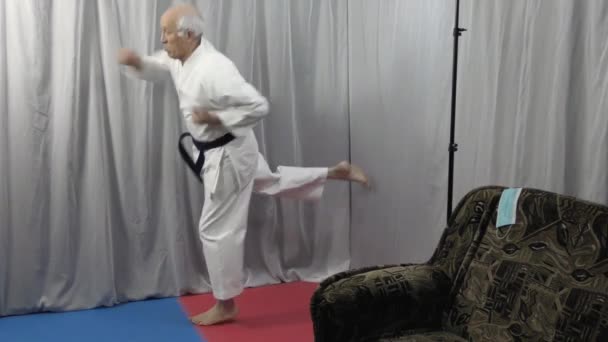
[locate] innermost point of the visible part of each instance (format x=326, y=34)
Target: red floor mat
x=269, y=313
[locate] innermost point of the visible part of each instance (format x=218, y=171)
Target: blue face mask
x=507, y=207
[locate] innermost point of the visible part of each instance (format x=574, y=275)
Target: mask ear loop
x=506, y=232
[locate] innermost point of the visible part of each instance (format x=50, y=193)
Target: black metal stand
x=453, y=146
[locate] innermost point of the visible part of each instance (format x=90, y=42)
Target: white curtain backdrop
x=532, y=96
x=97, y=208
x=531, y=110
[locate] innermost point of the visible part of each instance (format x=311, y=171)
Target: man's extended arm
x=150, y=68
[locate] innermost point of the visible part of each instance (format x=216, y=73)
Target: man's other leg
x=222, y=230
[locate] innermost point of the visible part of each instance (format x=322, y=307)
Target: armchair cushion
x=380, y=302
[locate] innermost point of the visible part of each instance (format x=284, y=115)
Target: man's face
x=173, y=43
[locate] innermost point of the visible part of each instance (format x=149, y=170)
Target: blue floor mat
x=149, y=321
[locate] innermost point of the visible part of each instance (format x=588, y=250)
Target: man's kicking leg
x=303, y=183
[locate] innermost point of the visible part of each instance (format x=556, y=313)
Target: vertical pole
x=453, y=146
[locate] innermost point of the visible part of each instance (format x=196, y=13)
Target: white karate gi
x=210, y=81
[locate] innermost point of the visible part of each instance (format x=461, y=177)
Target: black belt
x=202, y=146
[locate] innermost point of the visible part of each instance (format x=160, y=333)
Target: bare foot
x=219, y=313
x=347, y=171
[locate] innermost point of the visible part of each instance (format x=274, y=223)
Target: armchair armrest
x=380, y=301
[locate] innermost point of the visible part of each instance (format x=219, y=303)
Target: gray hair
x=191, y=23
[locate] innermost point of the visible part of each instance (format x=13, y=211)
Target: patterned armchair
x=542, y=278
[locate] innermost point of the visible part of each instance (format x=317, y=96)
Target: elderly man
x=220, y=109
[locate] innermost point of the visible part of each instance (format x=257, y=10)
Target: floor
x=268, y=313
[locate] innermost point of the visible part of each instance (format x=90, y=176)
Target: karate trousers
x=223, y=221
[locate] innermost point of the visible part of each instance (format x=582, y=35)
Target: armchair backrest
x=543, y=276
